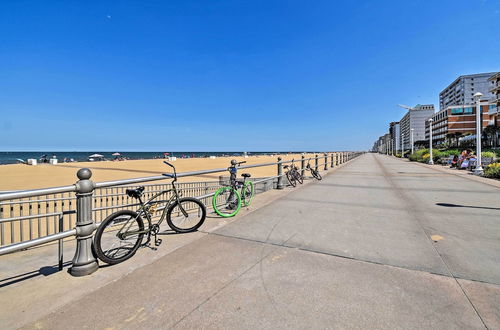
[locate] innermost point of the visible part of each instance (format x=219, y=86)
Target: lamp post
x=402, y=145
x=431, y=159
x=411, y=140
x=479, y=169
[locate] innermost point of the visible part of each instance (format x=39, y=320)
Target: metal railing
x=34, y=217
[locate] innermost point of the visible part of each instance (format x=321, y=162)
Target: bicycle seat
x=285, y=166
x=135, y=193
x=245, y=175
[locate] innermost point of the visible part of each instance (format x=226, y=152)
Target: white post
x=479, y=169
x=431, y=159
x=402, y=144
x=411, y=140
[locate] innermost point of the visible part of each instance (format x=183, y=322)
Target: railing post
x=331, y=160
x=302, y=165
x=280, y=185
x=84, y=262
x=326, y=162
x=316, y=162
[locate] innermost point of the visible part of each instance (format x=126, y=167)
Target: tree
x=491, y=133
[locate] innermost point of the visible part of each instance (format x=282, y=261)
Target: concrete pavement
x=380, y=243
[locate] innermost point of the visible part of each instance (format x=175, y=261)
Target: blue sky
x=229, y=75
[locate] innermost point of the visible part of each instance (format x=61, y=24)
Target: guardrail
x=56, y=213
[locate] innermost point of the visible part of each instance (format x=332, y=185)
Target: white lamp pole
x=402, y=144
x=431, y=159
x=479, y=169
x=412, y=140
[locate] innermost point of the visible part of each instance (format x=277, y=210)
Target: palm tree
x=491, y=132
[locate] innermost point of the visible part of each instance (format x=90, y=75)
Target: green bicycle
x=227, y=201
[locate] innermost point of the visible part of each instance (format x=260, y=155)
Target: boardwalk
x=380, y=243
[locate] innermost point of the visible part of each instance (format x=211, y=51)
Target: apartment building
x=414, y=119
x=456, y=119
x=395, y=133
x=494, y=110
x=462, y=90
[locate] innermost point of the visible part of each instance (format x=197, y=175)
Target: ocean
x=13, y=157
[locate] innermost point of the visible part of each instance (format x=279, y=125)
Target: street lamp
x=402, y=145
x=479, y=169
x=431, y=160
x=412, y=140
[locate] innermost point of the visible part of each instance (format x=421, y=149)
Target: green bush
x=488, y=154
x=450, y=152
x=492, y=171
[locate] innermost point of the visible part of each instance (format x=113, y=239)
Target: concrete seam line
x=471, y=177
x=406, y=198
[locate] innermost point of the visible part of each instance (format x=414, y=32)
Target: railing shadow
x=43, y=271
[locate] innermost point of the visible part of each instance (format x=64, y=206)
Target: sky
x=229, y=75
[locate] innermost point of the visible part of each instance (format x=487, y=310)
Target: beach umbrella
x=116, y=154
x=166, y=153
x=96, y=156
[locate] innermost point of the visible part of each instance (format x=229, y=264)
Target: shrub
x=450, y=152
x=492, y=171
x=488, y=154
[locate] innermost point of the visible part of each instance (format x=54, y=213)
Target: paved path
x=380, y=243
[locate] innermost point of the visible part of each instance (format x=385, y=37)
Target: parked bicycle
x=120, y=234
x=315, y=173
x=293, y=175
x=227, y=201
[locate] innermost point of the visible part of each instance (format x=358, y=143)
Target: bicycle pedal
x=158, y=242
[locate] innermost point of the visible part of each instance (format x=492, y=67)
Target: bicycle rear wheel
x=316, y=174
x=118, y=237
x=226, y=202
x=186, y=215
x=291, y=179
x=247, y=193
x=298, y=177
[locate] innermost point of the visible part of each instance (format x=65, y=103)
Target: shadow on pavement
x=44, y=271
x=468, y=206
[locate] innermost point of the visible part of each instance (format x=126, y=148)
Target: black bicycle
x=293, y=175
x=120, y=234
x=315, y=173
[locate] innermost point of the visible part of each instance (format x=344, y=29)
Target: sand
x=21, y=177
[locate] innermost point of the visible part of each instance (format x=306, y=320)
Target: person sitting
x=454, y=162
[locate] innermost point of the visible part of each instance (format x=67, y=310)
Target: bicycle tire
x=247, y=193
x=298, y=177
x=193, y=223
x=105, y=233
x=291, y=179
x=316, y=174
x=223, y=206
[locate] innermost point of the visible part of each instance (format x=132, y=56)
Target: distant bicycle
x=120, y=235
x=293, y=175
x=315, y=173
x=227, y=201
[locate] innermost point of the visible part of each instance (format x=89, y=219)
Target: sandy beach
x=21, y=177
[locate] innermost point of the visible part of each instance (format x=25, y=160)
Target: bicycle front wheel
x=118, y=237
x=226, y=202
x=247, y=193
x=291, y=179
x=186, y=215
x=316, y=174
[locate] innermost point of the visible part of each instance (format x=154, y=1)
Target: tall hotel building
x=415, y=118
x=462, y=90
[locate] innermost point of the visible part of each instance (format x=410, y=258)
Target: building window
x=468, y=110
x=493, y=106
x=457, y=111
